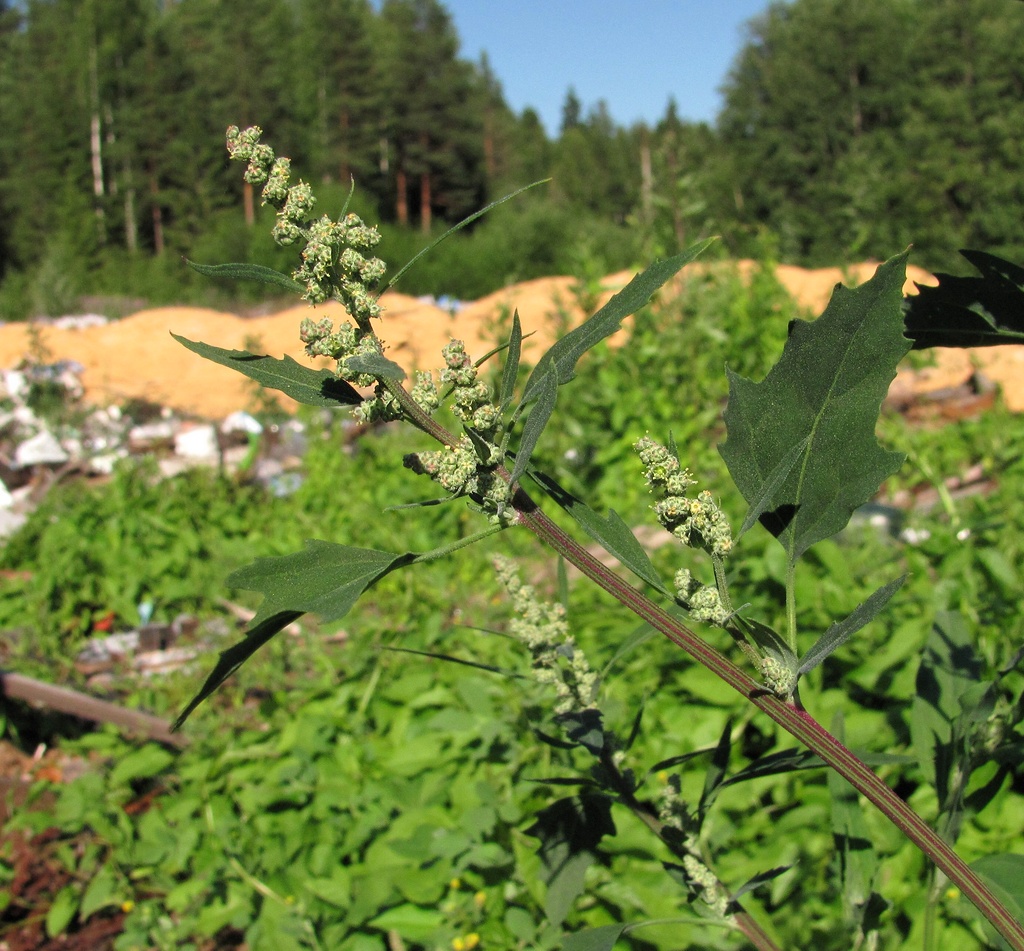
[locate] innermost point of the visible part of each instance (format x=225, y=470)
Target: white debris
x=200, y=442
x=41, y=449
x=241, y=422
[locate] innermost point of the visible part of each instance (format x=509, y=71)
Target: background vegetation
x=846, y=132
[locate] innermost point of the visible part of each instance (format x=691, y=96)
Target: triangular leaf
x=249, y=272
x=841, y=631
x=611, y=532
x=302, y=384
x=325, y=580
x=969, y=311
x=827, y=388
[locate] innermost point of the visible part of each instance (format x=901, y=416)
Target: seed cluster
x=542, y=627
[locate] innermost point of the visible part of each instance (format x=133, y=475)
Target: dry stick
x=19, y=687
x=797, y=723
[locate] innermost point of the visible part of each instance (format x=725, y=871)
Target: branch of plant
x=740, y=918
x=798, y=723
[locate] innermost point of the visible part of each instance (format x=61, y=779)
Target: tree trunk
x=425, y=200
x=95, y=139
x=248, y=204
x=401, y=197
x=158, y=215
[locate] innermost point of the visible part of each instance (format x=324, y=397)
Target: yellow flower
x=479, y=899
x=127, y=906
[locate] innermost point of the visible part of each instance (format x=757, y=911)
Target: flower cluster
x=471, y=397
x=543, y=629
x=333, y=261
x=697, y=522
x=459, y=470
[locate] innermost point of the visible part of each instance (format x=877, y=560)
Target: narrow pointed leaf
x=302, y=384
x=324, y=579
x=969, y=311
x=375, y=364
x=769, y=642
x=545, y=395
x=841, y=631
x=563, y=356
x=758, y=880
x=827, y=389
x=511, y=368
x=557, y=366
x=249, y=272
x=611, y=532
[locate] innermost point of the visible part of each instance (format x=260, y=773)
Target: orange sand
x=137, y=358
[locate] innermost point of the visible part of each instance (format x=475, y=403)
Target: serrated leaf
x=594, y=939
x=969, y=311
x=611, y=532
x=249, y=272
x=325, y=579
x=557, y=366
x=511, y=369
x=841, y=631
x=827, y=388
x=376, y=364
x=302, y=384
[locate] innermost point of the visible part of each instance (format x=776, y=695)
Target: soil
x=137, y=359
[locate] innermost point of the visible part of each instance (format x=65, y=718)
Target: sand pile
x=136, y=358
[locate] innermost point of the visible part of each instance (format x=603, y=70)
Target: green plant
x=801, y=447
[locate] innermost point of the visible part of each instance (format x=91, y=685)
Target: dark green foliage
x=969, y=311
x=829, y=394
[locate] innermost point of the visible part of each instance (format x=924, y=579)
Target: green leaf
x=62, y=910
x=140, y=764
x=102, y=891
x=302, y=384
x=249, y=272
x=557, y=366
x=511, y=369
x=376, y=365
x=969, y=311
x=757, y=881
x=545, y=394
x=569, y=831
x=411, y=921
x=771, y=485
x=325, y=579
x=827, y=389
x=769, y=642
x=594, y=939
x=1005, y=876
x=841, y=631
x=611, y=532
x=858, y=862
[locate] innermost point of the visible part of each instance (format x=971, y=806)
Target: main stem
x=798, y=723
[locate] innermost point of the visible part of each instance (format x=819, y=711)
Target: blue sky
x=634, y=54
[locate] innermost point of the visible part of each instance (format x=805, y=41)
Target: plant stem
x=791, y=605
x=796, y=722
